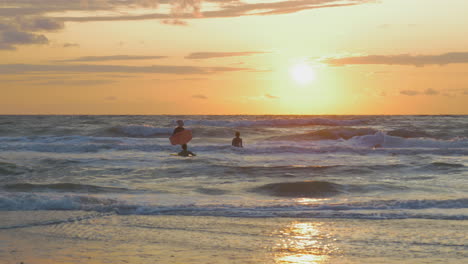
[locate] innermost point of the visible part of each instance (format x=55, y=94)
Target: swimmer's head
x=237, y=133
x=180, y=123
x=184, y=146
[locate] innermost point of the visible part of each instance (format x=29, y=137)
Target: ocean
x=304, y=189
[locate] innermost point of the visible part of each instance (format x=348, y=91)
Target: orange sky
x=234, y=57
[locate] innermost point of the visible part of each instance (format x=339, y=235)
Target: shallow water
x=314, y=169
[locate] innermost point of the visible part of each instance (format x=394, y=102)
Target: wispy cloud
x=39, y=23
x=26, y=17
x=409, y=92
x=428, y=91
x=87, y=68
x=404, y=59
x=21, y=31
x=431, y=91
x=174, y=22
x=11, y=36
x=210, y=55
x=73, y=82
x=111, y=98
x=190, y=9
x=112, y=58
x=70, y=45
x=269, y=96
x=199, y=96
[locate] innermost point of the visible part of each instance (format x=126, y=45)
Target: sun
x=302, y=73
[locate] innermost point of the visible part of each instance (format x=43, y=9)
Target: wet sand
x=81, y=237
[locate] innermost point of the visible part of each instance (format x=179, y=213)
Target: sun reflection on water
x=301, y=243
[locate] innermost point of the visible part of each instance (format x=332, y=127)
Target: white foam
x=392, y=209
x=381, y=139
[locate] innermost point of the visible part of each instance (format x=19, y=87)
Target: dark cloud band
x=405, y=59
x=87, y=68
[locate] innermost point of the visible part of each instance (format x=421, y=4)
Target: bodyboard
x=181, y=138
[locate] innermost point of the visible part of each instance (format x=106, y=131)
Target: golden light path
x=301, y=243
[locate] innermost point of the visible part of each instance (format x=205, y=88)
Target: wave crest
x=329, y=134
x=282, y=122
x=61, y=187
x=310, y=189
x=139, y=131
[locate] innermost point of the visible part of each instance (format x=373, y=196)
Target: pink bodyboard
x=181, y=138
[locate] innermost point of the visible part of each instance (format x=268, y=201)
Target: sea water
x=374, y=178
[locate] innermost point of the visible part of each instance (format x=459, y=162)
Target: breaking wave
x=379, y=209
x=311, y=189
x=329, y=134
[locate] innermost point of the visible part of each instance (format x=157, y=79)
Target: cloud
x=70, y=45
x=209, y=55
x=428, y=91
x=409, y=92
x=112, y=58
x=39, y=24
x=110, y=98
x=220, y=9
x=199, y=96
x=20, y=31
x=10, y=38
x=269, y=96
x=73, y=82
x=404, y=59
x=431, y=91
x=174, y=22
x=28, y=16
x=88, y=68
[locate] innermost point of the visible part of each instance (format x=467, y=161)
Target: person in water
x=185, y=152
x=237, y=141
x=179, y=128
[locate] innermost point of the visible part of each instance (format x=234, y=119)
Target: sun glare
x=302, y=73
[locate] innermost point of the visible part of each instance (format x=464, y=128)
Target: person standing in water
x=237, y=141
x=178, y=129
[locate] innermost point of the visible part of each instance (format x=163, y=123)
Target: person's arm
x=233, y=142
x=240, y=143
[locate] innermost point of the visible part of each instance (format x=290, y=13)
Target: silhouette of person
x=179, y=128
x=185, y=152
x=237, y=141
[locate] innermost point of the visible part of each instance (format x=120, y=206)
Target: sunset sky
x=233, y=57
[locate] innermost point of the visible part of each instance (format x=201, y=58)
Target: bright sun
x=302, y=73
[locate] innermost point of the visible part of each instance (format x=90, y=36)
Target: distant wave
x=278, y=122
x=138, y=131
x=406, y=133
x=7, y=168
x=61, y=187
x=381, y=139
x=329, y=134
x=443, y=165
x=366, y=144
x=146, y=131
x=347, y=133
x=310, y=189
x=380, y=209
